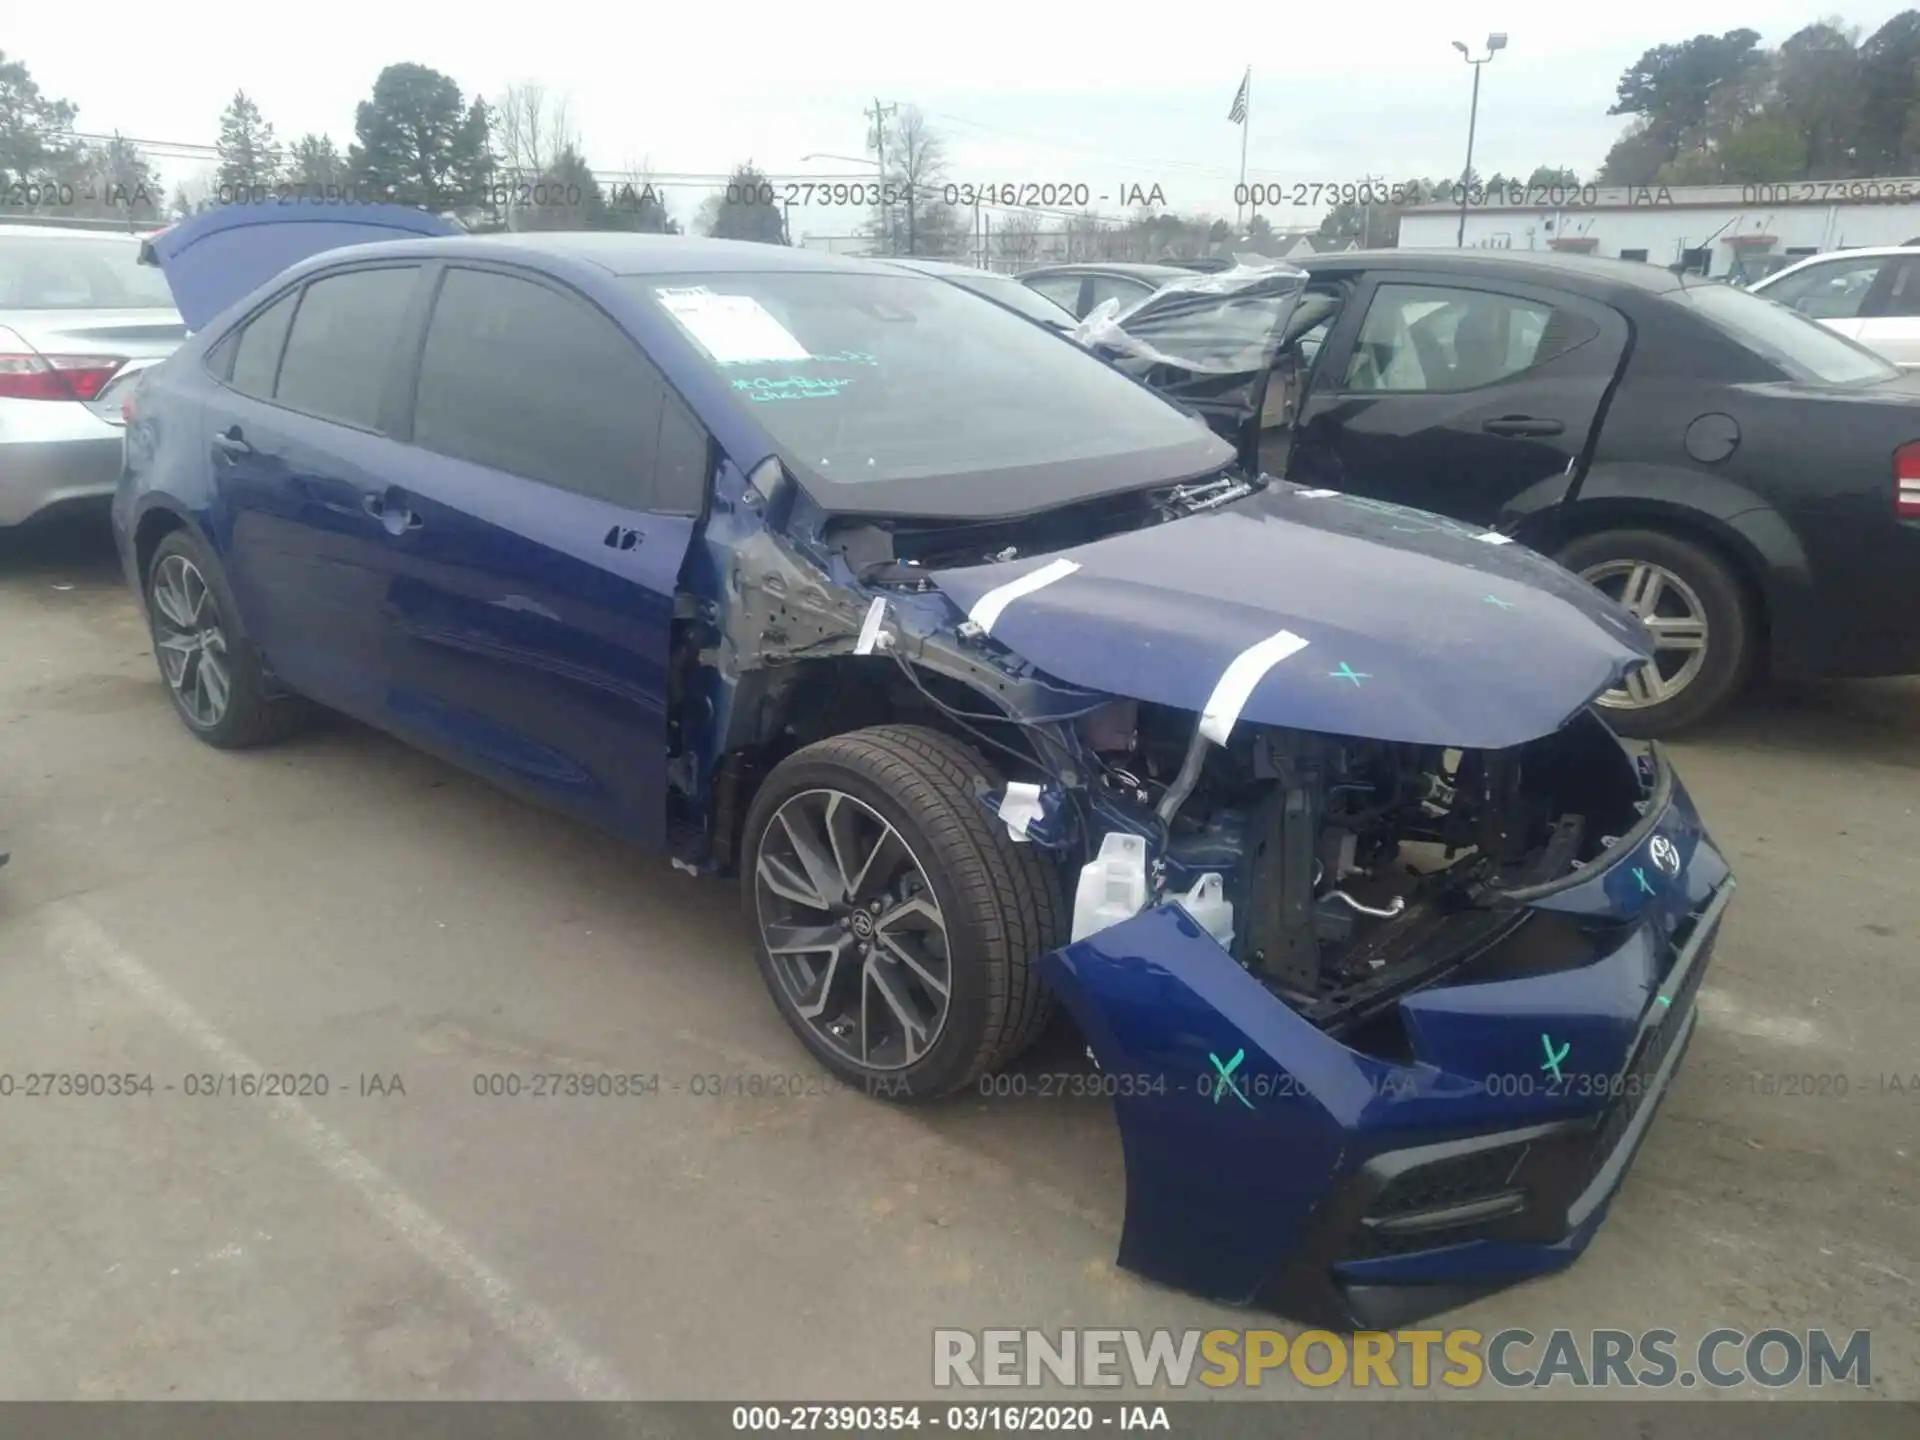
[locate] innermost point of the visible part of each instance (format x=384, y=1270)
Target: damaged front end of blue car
x=1387, y=943
x=1431, y=1114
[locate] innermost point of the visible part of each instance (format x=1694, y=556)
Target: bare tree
x=531, y=130
x=1017, y=236
x=921, y=223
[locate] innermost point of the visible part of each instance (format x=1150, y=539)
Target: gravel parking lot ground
x=344, y=907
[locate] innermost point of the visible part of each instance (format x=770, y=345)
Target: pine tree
x=249, y=155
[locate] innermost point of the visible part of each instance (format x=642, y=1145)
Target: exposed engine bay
x=1351, y=870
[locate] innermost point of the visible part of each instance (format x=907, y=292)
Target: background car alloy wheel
x=855, y=933
x=190, y=642
x=1701, y=614
x=1673, y=614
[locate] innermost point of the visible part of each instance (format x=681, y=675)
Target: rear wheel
x=214, y=675
x=1697, y=613
x=896, y=926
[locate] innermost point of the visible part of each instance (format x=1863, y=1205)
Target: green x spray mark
x=1554, y=1057
x=1227, y=1081
x=1496, y=600
x=1347, y=672
x=1641, y=875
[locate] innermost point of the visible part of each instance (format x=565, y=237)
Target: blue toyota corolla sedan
x=996, y=681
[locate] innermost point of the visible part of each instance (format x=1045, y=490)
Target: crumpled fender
x=1237, y=1117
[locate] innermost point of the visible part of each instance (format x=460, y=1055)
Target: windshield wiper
x=1210, y=494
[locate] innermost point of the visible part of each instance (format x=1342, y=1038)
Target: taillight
x=1906, y=481
x=56, y=377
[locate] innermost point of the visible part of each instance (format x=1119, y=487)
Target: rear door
x=533, y=555
x=298, y=435
x=1455, y=395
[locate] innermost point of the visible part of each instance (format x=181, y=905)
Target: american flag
x=1238, y=114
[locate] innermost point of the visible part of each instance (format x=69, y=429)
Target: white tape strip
x=1315, y=494
x=1494, y=537
x=1246, y=671
x=870, y=627
x=1020, y=807
x=991, y=604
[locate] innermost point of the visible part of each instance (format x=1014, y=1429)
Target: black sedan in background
x=1741, y=477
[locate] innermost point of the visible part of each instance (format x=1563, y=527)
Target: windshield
x=78, y=272
x=1805, y=349
x=895, y=393
x=1005, y=290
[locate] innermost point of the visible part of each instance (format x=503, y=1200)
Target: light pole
x=1495, y=43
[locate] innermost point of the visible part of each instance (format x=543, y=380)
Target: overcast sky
x=1108, y=96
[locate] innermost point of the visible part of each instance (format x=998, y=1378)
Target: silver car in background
x=80, y=318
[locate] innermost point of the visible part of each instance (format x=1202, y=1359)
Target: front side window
x=344, y=335
x=1113, y=287
x=1435, y=337
x=1063, y=290
x=903, y=392
x=1899, y=295
x=518, y=377
x=1832, y=290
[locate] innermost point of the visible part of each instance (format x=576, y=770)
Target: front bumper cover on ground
x=1270, y=1164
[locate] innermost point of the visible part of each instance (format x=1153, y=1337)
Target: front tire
x=214, y=675
x=1700, y=617
x=896, y=925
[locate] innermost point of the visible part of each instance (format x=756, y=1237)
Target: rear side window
x=344, y=336
x=521, y=378
x=256, y=352
x=1439, y=338
x=1805, y=349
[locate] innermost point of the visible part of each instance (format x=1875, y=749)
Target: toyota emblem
x=1666, y=855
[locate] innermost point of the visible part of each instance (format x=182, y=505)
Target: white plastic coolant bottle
x=1113, y=885
x=1207, y=903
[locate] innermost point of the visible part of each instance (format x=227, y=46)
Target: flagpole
x=1246, y=115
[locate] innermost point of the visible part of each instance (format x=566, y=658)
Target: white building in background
x=1740, y=231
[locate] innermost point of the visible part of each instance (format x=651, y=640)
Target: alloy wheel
x=854, y=930
x=1675, y=618
x=189, y=640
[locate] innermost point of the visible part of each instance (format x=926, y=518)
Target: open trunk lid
x=214, y=258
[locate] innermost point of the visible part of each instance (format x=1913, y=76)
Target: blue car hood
x=1417, y=629
x=213, y=258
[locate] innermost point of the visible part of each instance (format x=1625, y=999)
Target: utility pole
x=879, y=115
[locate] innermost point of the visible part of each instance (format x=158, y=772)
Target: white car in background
x=1869, y=295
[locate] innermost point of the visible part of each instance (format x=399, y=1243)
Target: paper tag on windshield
x=733, y=329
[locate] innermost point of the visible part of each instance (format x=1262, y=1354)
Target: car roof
x=1590, y=273
x=939, y=267
x=622, y=253
x=1861, y=252
x=1136, y=269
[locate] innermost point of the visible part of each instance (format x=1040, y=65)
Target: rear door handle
x=392, y=513
x=1523, y=425
x=231, y=442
